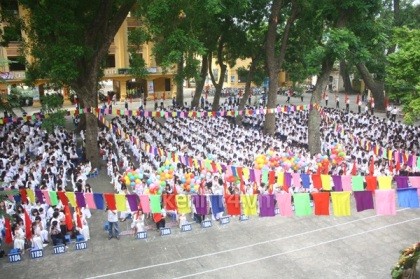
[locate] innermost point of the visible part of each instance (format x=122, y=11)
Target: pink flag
x=414, y=181
x=46, y=197
x=257, y=174
x=296, y=180
x=284, y=203
x=145, y=203
x=346, y=182
x=385, y=202
x=229, y=171
x=90, y=201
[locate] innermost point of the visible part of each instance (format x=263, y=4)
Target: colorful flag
x=341, y=203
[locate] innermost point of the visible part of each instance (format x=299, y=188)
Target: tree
x=403, y=72
x=68, y=41
x=338, y=41
x=275, y=56
x=174, y=27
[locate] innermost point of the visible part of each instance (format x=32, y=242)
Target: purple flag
x=287, y=179
x=267, y=206
x=337, y=183
x=252, y=175
x=39, y=196
x=402, y=181
x=133, y=201
x=80, y=199
x=364, y=200
x=200, y=203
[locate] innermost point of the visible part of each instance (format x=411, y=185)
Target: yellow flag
x=72, y=198
x=280, y=178
x=183, y=204
x=31, y=195
x=385, y=182
x=249, y=205
x=245, y=173
x=326, y=182
x=120, y=202
x=341, y=203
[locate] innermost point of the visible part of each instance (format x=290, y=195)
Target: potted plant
x=405, y=268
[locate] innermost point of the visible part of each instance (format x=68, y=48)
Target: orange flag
x=78, y=218
x=69, y=220
x=28, y=226
x=8, y=238
x=354, y=169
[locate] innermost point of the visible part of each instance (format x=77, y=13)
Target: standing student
x=347, y=100
x=372, y=105
x=359, y=103
x=337, y=101
x=113, y=229
x=326, y=98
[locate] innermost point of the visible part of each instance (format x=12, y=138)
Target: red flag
x=23, y=195
x=8, y=238
x=391, y=166
x=242, y=187
x=354, y=169
x=398, y=166
x=78, y=218
x=371, y=167
x=28, y=226
x=69, y=220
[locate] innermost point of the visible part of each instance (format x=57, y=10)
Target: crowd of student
x=33, y=159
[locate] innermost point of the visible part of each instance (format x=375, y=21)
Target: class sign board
x=81, y=245
x=186, y=228
x=165, y=231
x=224, y=220
x=244, y=218
x=37, y=253
x=141, y=235
x=59, y=249
x=206, y=224
x=15, y=257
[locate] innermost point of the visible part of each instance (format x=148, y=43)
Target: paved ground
x=361, y=246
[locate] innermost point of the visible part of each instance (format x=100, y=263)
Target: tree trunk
x=346, y=77
x=376, y=87
x=199, y=84
x=274, y=62
x=180, y=82
x=314, y=122
x=86, y=93
x=247, y=92
x=218, y=85
x=218, y=92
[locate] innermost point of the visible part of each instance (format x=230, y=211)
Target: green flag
x=302, y=204
x=357, y=183
x=155, y=203
x=53, y=198
x=264, y=177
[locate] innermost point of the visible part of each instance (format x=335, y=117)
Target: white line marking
x=235, y=249
x=295, y=250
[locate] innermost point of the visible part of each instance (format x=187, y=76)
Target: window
x=15, y=64
x=110, y=61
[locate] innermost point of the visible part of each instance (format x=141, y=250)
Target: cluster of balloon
x=287, y=160
x=338, y=154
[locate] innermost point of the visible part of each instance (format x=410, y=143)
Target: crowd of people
x=34, y=159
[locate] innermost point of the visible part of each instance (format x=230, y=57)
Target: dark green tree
x=68, y=41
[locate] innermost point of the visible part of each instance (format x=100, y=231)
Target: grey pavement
x=359, y=246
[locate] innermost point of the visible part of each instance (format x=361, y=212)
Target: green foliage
x=51, y=103
x=403, y=72
x=54, y=115
x=53, y=120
